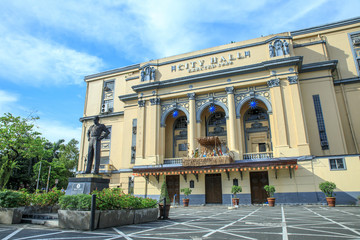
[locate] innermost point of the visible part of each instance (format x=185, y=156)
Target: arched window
x=216, y=124
x=180, y=146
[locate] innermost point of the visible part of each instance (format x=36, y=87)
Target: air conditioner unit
x=356, y=41
x=105, y=108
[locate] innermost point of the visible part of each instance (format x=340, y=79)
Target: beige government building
x=282, y=110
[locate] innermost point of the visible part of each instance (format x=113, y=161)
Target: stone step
x=49, y=223
x=42, y=216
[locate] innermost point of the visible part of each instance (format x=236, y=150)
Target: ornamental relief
x=173, y=104
x=212, y=99
x=265, y=93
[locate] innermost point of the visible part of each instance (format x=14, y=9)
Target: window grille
x=320, y=122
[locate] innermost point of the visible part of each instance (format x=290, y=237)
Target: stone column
x=298, y=113
x=140, y=130
x=191, y=123
x=231, y=128
x=278, y=117
x=153, y=131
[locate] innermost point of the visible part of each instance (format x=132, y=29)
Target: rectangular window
x=105, y=143
x=107, y=105
x=262, y=147
x=355, y=45
x=320, y=122
x=337, y=164
x=131, y=186
x=133, y=141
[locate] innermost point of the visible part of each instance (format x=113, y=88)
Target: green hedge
x=107, y=199
x=13, y=199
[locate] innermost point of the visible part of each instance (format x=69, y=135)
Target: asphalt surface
x=218, y=222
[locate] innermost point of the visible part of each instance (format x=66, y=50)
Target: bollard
x=92, y=215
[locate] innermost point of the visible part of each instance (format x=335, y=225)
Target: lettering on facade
x=213, y=62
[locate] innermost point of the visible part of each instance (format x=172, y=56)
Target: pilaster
x=279, y=123
x=140, y=130
x=298, y=113
x=192, y=123
x=231, y=128
x=152, y=153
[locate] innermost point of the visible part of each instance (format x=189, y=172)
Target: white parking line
x=232, y=223
x=12, y=234
x=347, y=213
x=284, y=229
x=122, y=234
x=342, y=225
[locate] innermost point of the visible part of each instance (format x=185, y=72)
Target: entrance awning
x=243, y=165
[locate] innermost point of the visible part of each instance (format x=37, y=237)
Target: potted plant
x=328, y=188
x=187, y=192
x=164, y=194
x=270, y=190
x=234, y=190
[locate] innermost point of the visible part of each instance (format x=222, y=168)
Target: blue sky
x=47, y=47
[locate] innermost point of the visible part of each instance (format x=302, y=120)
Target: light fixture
x=175, y=113
x=253, y=104
x=212, y=108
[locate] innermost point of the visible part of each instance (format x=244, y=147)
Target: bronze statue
x=95, y=135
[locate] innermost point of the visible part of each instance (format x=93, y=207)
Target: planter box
x=113, y=218
x=10, y=215
x=146, y=215
x=79, y=220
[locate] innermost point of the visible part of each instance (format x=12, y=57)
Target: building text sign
x=211, y=63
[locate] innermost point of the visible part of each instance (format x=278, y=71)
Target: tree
x=18, y=142
x=62, y=165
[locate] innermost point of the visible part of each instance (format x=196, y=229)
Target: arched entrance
x=257, y=130
x=176, y=142
x=180, y=145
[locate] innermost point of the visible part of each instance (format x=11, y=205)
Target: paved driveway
x=217, y=222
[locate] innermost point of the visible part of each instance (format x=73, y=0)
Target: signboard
x=78, y=187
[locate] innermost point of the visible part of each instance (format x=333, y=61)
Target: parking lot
x=218, y=222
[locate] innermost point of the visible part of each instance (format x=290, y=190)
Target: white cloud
x=7, y=101
x=29, y=60
x=55, y=130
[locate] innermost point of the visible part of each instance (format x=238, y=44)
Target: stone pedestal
x=86, y=183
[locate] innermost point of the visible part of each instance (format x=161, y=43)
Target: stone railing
x=262, y=155
x=173, y=161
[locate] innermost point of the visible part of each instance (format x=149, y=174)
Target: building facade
x=283, y=110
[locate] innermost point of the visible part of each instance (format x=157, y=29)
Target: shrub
x=68, y=202
x=186, y=191
x=236, y=189
x=270, y=190
x=164, y=192
x=83, y=202
x=47, y=199
x=11, y=199
x=327, y=188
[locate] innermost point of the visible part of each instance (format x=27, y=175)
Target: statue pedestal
x=86, y=183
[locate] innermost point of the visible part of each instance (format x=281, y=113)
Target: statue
x=95, y=135
x=271, y=50
x=286, y=48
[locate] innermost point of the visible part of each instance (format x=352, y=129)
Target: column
x=140, y=132
x=191, y=123
x=153, y=130
x=231, y=128
x=278, y=116
x=298, y=113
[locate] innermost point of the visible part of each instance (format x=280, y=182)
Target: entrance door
x=213, y=191
x=257, y=182
x=172, y=183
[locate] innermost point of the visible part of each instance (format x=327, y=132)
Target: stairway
x=47, y=219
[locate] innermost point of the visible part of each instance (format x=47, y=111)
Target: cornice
x=266, y=65
x=102, y=116
x=347, y=81
x=318, y=66
x=326, y=26
x=117, y=70
x=128, y=97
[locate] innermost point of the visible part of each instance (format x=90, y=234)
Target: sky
x=48, y=47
